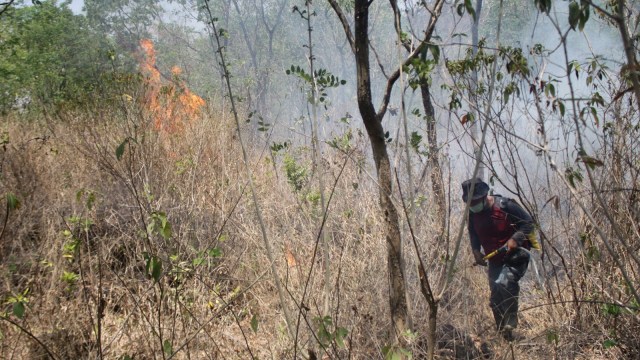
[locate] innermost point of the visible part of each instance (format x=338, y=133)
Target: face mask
x=477, y=207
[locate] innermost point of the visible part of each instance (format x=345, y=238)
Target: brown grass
x=205, y=311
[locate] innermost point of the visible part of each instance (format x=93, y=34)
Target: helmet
x=480, y=190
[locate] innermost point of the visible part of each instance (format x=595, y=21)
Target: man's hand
x=511, y=245
x=479, y=258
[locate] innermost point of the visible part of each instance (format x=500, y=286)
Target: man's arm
x=520, y=219
x=475, y=244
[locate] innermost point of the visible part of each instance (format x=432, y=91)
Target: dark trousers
x=503, y=282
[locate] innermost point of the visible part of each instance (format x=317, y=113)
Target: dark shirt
x=493, y=227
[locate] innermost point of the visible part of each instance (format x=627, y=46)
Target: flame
x=291, y=259
x=171, y=104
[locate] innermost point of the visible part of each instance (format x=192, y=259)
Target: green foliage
x=466, y=6
x=420, y=68
x=19, y=303
x=159, y=224
x=396, y=352
x=573, y=175
x=297, y=175
x=203, y=256
x=609, y=343
x=324, y=80
x=254, y=323
x=313, y=197
x=167, y=347
x=183, y=165
x=70, y=278
x=552, y=336
x=578, y=14
x=543, y=5
x=590, y=161
x=612, y=309
x=326, y=333
x=79, y=222
x=88, y=196
x=120, y=149
x=153, y=266
x=48, y=54
x=71, y=246
x=508, y=58
x=277, y=147
x=415, y=141
x=13, y=203
x=387, y=137
x=263, y=126
x=342, y=142
x=126, y=20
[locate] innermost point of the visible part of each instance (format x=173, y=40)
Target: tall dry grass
x=81, y=241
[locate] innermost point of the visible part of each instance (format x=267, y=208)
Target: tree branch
x=345, y=23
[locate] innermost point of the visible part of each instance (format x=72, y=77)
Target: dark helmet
x=480, y=190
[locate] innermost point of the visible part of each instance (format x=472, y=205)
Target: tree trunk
x=437, y=183
x=437, y=186
x=373, y=125
x=475, y=125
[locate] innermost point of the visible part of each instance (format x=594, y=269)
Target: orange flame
x=171, y=105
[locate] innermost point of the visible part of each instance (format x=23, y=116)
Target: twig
x=28, y=333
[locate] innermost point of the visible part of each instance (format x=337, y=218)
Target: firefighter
x=500, y=227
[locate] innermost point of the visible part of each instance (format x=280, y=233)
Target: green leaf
x=591, y=161
x=198, y=261
x=584, y=16
x=550, y=89
x=469, y=7
x=254, y=323
x=165, y=231
x=612, y=309
x=18, y=309
x=609, y=343
x=340, y=335
x=156, y=269
x=574, y=14
x=552, y=337
x=12, y=202
x=167, y=347
x=120, y=149
x=4, y=138
x=435, y=51
x=215, y=252
x=415, y=140
x=543, y=5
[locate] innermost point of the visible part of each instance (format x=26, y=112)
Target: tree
x=372, y=118
x=48, y=54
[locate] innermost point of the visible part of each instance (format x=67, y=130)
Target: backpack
x=532, y=238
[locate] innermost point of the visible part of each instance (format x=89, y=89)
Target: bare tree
x=372, y=118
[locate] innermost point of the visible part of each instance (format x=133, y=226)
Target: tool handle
x=495, y=252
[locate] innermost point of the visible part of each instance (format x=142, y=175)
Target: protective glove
x=479, y=258
x=511, y=245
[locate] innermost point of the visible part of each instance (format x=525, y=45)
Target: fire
x=171, y=104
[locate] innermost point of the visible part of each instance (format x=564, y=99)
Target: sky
x=76, y=6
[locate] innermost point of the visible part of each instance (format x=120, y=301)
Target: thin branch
x=6, y=6
x=315, y=249
x=428, y=33
x=29, y=334
x=345, y=24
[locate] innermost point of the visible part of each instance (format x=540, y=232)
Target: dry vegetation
x=82, y=246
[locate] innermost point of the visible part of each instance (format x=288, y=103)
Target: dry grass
x=203, y=305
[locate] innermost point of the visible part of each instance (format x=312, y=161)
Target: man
x=498, y=223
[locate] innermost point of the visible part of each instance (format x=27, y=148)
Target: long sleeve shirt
x=493, y=227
